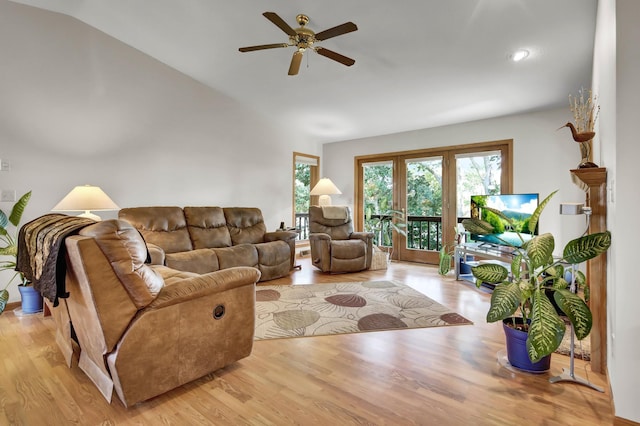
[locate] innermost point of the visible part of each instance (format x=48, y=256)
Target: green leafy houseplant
x=395, y=219
x=9, y=247
x=447, y=253
x=534, y=270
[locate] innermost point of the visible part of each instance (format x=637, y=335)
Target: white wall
x=616, y=70
x=542, y=159
x=79, y=107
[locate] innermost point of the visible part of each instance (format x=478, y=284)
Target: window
x=305, y=176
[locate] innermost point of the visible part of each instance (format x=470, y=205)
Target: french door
x=428, y=191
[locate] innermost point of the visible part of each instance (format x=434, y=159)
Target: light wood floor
x=434, y=376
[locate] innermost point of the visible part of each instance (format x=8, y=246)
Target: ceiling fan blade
x=262, y=46
x=279, y=22
x=335, y=56
x=295, y=63
x=347, y=27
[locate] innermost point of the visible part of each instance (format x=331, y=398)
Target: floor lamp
x=569, y=375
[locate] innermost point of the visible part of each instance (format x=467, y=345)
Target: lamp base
x=324, y=200
x=90, y=215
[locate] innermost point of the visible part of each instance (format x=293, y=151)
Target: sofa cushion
x=126, y=251
x=240, y=255
x=207, y=227
x=201, y=261
x=163, y=226
x=245, y=224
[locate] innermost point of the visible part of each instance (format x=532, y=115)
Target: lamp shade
x=86, y=198
x=325, y=187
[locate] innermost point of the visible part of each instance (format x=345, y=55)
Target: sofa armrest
x=288, y=237
x=280, y=235
x=156, y=253
x=202, y=285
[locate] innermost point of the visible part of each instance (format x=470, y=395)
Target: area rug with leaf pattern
x=284, y=311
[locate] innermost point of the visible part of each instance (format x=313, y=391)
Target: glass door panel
x=478, y=173
x=423, y=203
x=377, y=191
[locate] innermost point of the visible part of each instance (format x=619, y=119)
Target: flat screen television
x=517, y=207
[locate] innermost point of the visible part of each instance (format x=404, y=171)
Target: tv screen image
x=517, y=207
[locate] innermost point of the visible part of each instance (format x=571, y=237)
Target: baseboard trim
x=619, y=421
x=11, y=306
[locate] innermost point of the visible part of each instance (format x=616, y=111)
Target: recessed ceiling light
x=519, y=55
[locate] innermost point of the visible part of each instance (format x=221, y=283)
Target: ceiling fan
x=303, y=38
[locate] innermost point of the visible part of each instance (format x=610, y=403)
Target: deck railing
x=423, y=232
x=302, y=223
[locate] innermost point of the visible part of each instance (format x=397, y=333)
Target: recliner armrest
x=319, y=236
x=201, y=285
x=364, y=236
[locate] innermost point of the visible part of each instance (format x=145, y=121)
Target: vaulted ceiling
x=418, y=63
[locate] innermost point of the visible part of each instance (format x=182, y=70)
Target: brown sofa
x=146, y=329
x=207, y=239
x=334, y=245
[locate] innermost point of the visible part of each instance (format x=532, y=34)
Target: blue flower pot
x=517, y=349
x=31, y=299
x=465, y=269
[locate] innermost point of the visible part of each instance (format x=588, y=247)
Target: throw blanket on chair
x=41, y=252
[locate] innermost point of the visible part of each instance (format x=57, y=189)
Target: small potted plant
x=447, y=252
x=390, y=220
x=520, y=300
x=9, y=248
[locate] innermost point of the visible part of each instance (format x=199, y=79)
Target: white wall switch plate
x=5, y=165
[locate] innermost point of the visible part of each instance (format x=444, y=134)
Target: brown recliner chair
x=334, y=245
x=146, y=329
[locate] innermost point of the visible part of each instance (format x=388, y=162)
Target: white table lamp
x=325, y=188
x=86, y=198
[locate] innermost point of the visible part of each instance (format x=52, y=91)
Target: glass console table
x=499, y=254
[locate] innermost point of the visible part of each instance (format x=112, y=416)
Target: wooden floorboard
x=433, y=376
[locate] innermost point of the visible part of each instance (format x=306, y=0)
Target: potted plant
x=9, y=248
x=522, y=290
x=447, y=252
x=393, y=220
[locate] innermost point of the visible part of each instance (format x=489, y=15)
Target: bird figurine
x=579, y=137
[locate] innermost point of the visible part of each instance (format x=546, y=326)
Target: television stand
x=499, y=254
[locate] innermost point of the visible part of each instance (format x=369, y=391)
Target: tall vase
x=517, y=349
x=586, y=155
x=31, y=299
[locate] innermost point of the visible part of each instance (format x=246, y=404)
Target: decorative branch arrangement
x=585, y=113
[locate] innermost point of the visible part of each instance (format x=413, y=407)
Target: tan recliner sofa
x=334, y=245
x=146, y=329
x=207, y=239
